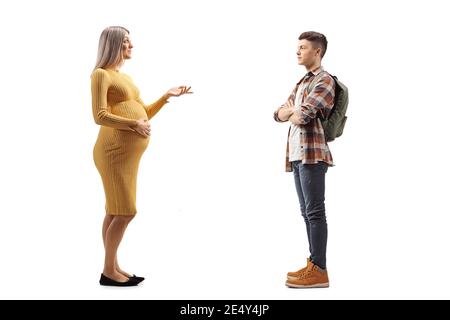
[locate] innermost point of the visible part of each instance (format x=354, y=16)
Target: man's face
x=306, y=53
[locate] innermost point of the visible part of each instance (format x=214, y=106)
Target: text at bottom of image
x=227, y=309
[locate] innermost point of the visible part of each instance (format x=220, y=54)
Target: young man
x=308, y=155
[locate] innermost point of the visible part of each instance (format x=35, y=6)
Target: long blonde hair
x=110, y=47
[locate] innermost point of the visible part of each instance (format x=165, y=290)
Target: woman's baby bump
x=130, y=109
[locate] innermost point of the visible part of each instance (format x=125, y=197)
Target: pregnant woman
x=123, y=137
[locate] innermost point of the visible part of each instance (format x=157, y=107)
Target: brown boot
x=313, y=277
x=296, y=274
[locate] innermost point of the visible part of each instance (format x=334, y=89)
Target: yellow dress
x=116, y=105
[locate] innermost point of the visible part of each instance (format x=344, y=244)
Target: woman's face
x=126, y=47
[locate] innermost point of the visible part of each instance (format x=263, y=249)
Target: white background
x=218, y=218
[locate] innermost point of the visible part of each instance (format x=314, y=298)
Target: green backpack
x=333, y=125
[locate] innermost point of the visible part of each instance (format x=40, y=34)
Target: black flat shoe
x=105, y=281
x=137, y=279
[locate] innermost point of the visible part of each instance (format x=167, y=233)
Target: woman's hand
x=142, y=127
x=178, y=91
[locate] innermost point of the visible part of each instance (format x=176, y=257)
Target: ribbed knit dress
x=118, y=150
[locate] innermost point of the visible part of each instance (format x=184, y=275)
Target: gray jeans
x=310, y=185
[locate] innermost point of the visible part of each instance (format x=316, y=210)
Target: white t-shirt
x=295, y=150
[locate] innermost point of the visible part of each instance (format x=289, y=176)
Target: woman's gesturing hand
x=178, y=91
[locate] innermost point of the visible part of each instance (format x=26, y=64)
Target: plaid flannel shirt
x=320, y=100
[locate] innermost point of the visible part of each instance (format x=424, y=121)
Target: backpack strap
x=311, y=85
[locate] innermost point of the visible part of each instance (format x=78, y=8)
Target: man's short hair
x=319, y=40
